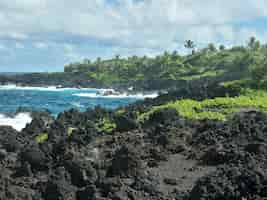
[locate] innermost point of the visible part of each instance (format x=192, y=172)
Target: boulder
x=125, y=123
x=126, y=162
x=81, y=171
x=35, y=157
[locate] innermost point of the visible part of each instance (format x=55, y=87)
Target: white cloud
x=71, y=53
x=40, y=45
x=2, y=47
x=19, y=45
x=129, y=24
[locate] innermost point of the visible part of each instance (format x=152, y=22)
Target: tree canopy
x=238, y=62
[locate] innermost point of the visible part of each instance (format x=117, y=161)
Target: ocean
x=55, y=101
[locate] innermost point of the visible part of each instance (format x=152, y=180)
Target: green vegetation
x=237, y=63
x=105, y=125
x=70, y=131
x=218, y=108
x=239, y=68
x=41, y=138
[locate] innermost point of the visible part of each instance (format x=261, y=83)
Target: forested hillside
x=241, y=64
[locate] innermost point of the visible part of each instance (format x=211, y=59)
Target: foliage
x=236, y=63
x=41, y=138
x=70, y=131
x=120, y=111
x=218, y=108
x=105, y=125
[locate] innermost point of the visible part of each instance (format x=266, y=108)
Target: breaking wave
x=18, y=121
x=121, y=96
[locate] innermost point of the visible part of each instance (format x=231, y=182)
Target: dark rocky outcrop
x=166, y=157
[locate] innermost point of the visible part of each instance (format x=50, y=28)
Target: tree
x=117, y=57
x=212, y=47
x=257, y=45
x=259, y=72
x=98, y=60
x=251, y=42
x=189, y=44
x=222, y=47
x=86, y=61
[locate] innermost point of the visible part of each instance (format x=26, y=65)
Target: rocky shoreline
x=109, y=155
x=81, y=80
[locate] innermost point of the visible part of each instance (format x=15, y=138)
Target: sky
x=44, y=35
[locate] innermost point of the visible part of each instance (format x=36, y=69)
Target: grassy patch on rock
x=217, y=108
x=41, y=138
x=105, y=125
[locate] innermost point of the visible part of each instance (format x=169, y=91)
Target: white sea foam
x=87, y=92
x=77, y=104
x=121, y=96
x=18, y=122
x=49, y=88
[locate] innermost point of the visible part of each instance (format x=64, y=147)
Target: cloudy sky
x=43, y=35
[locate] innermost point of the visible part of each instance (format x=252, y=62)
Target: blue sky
x=44, y=35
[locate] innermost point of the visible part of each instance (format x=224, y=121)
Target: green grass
x=41, y=138
x=218, y=108
x=120, y=111
x=105, y=125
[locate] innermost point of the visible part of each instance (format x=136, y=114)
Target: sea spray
x=18, y=121
x=120, y=96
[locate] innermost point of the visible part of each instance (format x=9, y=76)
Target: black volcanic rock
x=167, y=157
x=231, y=182
x=125, y=123
x=126, y=162
x=35, y=157
x=9, y=139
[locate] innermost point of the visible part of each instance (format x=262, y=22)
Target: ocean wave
x=18, y=121
x=121, y=96
x=77, y=104
x=49, y=88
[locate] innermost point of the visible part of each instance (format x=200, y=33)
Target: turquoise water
x=58, y=100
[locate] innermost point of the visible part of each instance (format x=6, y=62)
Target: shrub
x=105, y=125
x=41, y=138
x=218, y=108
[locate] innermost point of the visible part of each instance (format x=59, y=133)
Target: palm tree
x=117, y=57
x=211, y=47
x=251, y=42
x=98, y=60
x=86, y=61
x=189, y=44
x=222, y=47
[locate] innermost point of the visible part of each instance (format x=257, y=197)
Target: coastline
x=80, y=80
